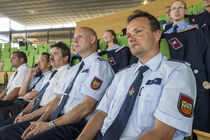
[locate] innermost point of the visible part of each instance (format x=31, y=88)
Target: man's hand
x=33, y=71
x=18, y=117
x=35, y=128
x=22, y=117
x=25, y=117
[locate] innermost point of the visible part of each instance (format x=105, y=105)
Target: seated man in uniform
x=35, y=77
x=19, y=61
x=191, y=44
x=178, y=11
x=151, y=100
x=59, y=59
x=84, y=86
x=29, y=89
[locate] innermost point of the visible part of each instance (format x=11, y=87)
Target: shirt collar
x=46, y=73
x=63, y=67
x=153, y=64
x=181, y=25
x=90, y=58
x=21, y=66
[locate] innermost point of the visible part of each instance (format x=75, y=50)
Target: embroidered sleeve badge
x=185, y=105
x=96, y=83
x=112, y=61
x=174, y=42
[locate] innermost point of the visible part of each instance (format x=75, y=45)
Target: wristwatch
x=52, y=124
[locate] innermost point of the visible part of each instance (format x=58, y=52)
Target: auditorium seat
x=22, y=48
x=33, y=52
x=201, y=135
x=26, y=52
x=164, y=48
x=7, y=46
x=48, y=47
x=7, y=65
x=40, y=51
x=68, y=43
x=31, y=47
x=102, y=46
x=5, y=55
x=9, y=74
x=105, y=57
x=30, y=61
x=36, y=57
x=13, y=50
x=123, y=40
x=40, y=46
x=2, y=77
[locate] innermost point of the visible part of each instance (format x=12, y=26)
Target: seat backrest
x=2, y=77
x=7, y=65
x=164, y=48
x=102, y=46
x=123, y=40
x=30, y=61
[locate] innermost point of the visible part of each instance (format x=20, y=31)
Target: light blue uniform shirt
x=114, y=47
x=92, y=81
x=39, y=84
x=154, y=100
x=182, y=25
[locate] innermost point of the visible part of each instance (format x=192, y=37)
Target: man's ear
x=66, y=58
x=22, y=60
x=157, y=35
x=186, y=11
x=93, y=39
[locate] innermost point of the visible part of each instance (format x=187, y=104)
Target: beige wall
x=118, y=21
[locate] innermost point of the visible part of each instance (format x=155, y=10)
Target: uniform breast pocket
x=82, y=76
x=147, y=104
x=117, y=101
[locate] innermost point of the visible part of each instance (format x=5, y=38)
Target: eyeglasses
x=179, y=8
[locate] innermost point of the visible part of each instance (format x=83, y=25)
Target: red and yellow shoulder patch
x=185, y=105
x=96, y=83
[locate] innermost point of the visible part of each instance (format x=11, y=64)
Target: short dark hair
x=64, y=49
x=185, y=6
x=167, y=7
x=21, y=54
x=47, y=56
x=154, y=24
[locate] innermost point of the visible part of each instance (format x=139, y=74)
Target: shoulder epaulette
x=181, y=61
x=120, y=48
x=126, y=67
x=188, y=28
x=200, y=12
x=101, y=59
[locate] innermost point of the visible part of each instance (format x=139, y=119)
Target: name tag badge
x=85, y=71
x=156, y=81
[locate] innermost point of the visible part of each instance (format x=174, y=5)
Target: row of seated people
x=154, y=98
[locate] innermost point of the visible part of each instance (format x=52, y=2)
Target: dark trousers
x=10, y=110
x=14, y=131
x=98, y=136
x=4, y=103
x=66, y=132
x=8, y=121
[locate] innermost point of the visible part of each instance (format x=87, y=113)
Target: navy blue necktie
x=15, y=75
x=39, y=97
x=66, y=95
x=175, y=28
x=36, y=83
x=117, y=127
